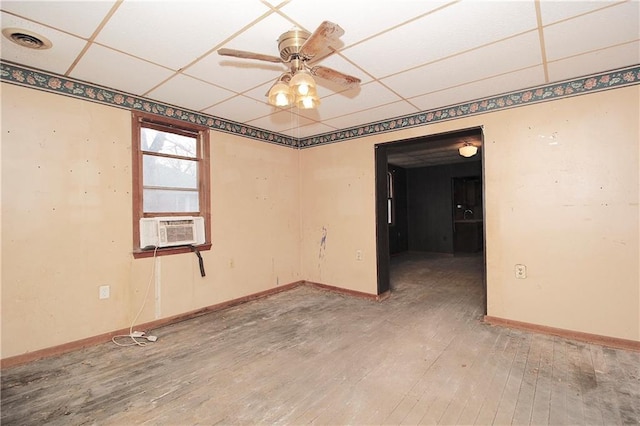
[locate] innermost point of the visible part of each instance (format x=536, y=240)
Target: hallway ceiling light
x=468, y=150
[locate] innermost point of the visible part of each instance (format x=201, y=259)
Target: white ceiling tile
x=280, y=121
x=553, y=11
x=470, y=66
x=358, y=18
x=189, y=92
x=383, y=112
x=241, y=75
x=308, y=130
x=240, y=109
x=275, y=3
x=262, y=37
x=369, y=95
x=451, y=30
x=57, y=14
x=107, y=67
x=65, y=48
x=593, y=62
x=175, y=33
x=607, y=27
x=492, y=86
x=259, y=93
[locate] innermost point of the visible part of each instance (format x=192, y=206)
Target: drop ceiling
x=411, y=55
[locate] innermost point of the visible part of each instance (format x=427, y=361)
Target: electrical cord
x=135, y=338
x=200, y=261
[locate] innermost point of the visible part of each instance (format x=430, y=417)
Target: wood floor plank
x=542, y=391
x=558, y=399
x=496, y=387
x=512, y=387
x=308, y=356
x=481, y=376
x=526, y=394
x=623, y=378
x=586, y=376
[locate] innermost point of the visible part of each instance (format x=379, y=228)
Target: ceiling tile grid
x=202, y=94
x=455, y=70
x=411, y=55
x=503, y=83
x=609, y=26
x=595, y=61
x=111, y=68
x=175, y=33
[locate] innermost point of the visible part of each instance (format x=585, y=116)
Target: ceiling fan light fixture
x=308, y=101
x=280, y=95
x=468, y=150
x=299, y=49
x=302, y=83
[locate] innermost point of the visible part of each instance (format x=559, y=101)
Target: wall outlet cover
x=104, y=292
x=521, y=271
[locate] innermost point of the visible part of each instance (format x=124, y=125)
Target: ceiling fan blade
x=249, y=55
x=335, y=76
x=321, y=38
x=322, y=56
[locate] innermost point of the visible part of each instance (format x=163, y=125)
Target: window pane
x=172, y=172
x=167, y=143
x=167, y=201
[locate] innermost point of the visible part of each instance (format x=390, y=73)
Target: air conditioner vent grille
x=171, y=231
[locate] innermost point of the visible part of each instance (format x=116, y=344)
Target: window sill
x=165, y=251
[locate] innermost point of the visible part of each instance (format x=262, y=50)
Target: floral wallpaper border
x=41, y=80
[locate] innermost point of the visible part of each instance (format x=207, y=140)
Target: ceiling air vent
x=26, y=38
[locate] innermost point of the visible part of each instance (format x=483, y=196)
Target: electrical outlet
x=521, y=271
x=105, y=291
x=358, y=254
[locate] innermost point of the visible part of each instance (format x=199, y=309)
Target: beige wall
x=561, y=197
x=562, y=184
x=338, y=203
x=66, y=224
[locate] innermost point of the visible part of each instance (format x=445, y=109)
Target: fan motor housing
x=290, y=43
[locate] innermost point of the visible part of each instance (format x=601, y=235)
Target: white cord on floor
x=144, y=301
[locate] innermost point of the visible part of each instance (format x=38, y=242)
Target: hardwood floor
x=310, y=356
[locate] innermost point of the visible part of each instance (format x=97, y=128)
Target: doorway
x=418, y=212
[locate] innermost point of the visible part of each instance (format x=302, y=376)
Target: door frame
x=382, y=227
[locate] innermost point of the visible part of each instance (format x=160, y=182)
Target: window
x=170, y=174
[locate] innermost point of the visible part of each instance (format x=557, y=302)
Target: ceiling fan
x=300, y=50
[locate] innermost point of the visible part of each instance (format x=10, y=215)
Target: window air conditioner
x=171, y=231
